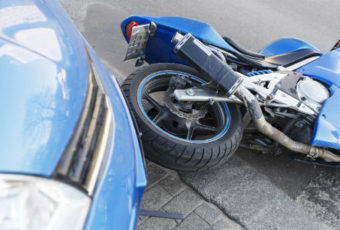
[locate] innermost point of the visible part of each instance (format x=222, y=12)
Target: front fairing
x=327, y=127
x=325, y=69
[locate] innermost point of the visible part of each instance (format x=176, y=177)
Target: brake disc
x=180, y=108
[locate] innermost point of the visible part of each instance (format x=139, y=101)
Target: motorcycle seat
x=259, y=60
x=291, y=58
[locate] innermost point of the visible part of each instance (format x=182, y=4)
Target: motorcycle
x=202, y=96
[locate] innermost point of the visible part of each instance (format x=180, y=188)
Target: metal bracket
x=313, y=153
x=140, y=61
x=167, y=215
x=271, y=95
x=198, y=94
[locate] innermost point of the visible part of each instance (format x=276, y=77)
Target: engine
x=312, y=92
x=293, y=101
x=302, y=91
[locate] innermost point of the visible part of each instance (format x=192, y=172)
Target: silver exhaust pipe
x=267, y=129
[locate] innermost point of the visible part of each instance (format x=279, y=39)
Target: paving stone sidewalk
x=167, y=193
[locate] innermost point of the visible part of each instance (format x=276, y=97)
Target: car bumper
x=122, y=180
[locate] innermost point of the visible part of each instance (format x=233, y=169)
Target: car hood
x=43, y=84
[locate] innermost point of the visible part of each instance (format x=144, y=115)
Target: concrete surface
x=251, y=198
x=167, y=193
x=259, y=192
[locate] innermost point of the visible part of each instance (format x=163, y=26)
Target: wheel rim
x=168, y=116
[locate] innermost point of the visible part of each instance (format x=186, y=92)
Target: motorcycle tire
x=186, y=147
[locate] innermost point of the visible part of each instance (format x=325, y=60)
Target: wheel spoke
x=190, y=133
x=181, y=119
x=202, y=127
x=152, y=101
x=159, y=117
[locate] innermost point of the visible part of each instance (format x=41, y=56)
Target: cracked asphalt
x=257, y=191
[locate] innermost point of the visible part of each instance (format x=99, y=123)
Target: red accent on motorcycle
x=128, y=29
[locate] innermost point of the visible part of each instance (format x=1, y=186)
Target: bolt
x=190, y=92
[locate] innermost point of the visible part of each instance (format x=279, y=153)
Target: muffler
x=196, y=53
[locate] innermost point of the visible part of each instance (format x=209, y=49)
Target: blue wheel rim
x=178, y=73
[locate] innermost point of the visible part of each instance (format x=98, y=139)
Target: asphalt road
x=259, y=192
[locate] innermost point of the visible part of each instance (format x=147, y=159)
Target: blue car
x=70, y=155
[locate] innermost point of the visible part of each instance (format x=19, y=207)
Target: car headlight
x=28, y=202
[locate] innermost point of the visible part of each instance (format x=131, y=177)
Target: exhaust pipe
x=267, y=129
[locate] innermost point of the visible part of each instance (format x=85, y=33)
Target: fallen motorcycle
x=202, y=94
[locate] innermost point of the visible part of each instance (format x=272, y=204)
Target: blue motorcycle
x=202, y=94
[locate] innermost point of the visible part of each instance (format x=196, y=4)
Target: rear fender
x=159, y=47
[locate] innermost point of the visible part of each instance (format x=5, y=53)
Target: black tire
x=174, y=153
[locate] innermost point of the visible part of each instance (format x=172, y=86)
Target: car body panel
x=45, y=66
x=160, y=49
x=286, y=45
x=122, y=182
x=44, y=72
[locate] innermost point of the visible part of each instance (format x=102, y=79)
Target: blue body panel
x=44, y=73
x=123, y=180
x=285, y=45
x=43, y=85
x=160, y=49
x=325, y=69
x=327, y=126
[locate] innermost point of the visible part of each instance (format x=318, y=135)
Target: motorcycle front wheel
x=186, y=136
